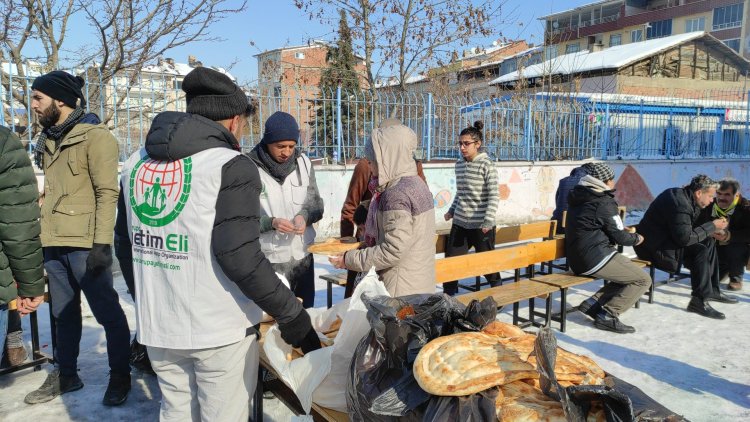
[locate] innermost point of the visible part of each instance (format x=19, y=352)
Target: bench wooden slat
x=563, y=280
x=338, y=278
x=511, y=293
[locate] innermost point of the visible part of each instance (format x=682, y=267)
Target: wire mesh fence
x=335, y=124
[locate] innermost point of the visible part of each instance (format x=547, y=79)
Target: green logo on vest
x=159, y=190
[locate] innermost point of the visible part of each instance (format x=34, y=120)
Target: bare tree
x=130, y=33
x=406, y=36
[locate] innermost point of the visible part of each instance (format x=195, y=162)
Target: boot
x=701, y=307
x=16, y=355
x=735, y=284
x=605, y=321
x=117, y=389
x=139, y=358
x=590, y=307
x=53, y=386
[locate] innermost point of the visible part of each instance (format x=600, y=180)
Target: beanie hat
x=213, y=95
x=601, y=171
x=280, y=127
x=61, y=86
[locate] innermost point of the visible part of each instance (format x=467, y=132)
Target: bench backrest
x=505, y=259
x=535, y=230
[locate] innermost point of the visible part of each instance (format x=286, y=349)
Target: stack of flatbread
x=502, y=355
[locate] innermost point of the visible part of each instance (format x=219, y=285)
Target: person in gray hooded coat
x=400, y=227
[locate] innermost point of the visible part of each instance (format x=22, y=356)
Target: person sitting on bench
x=594, y=226
x=674, y=233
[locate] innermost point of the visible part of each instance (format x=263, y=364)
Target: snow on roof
x=393, y=81
x=180, y=69
x=610, y=58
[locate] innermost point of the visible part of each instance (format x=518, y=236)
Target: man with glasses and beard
x=79, y=158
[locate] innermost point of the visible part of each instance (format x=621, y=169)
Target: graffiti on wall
x=632, y=191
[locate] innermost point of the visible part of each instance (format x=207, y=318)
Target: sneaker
x=53, y=386
x=605, y=321
x=16, y=355
x=590, y=307
x=117, y=389
x=139, y=358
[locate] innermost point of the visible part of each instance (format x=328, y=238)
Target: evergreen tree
x=341, y=71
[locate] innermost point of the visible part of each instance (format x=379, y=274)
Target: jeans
x=3, y=327
x=460, y=240
x=66, y=268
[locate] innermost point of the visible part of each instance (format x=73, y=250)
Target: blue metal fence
x=336, y=124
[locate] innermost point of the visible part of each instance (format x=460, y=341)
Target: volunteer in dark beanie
x=79, y=157
x=594, y=228
x=189, y=243
x=290, y=204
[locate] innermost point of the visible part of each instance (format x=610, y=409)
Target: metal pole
x=528, y=132
x=429, y=125
x=605, y=143
x=747, y=121
x=639, y=141
x=338, y=124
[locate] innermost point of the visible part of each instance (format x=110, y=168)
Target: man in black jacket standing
x=674, y=233
x=733, y=244
x=594, y=227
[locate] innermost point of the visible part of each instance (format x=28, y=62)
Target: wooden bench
x=503, y=235
x=505, y=259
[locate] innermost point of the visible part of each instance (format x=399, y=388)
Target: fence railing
x=335, y=124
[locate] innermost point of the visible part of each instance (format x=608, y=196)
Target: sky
x=267, y=25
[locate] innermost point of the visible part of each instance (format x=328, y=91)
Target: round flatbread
x=332, y=246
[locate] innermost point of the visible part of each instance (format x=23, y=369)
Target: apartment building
x=610, y=23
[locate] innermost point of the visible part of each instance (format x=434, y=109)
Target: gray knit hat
x=213, y=95
x=601, y=171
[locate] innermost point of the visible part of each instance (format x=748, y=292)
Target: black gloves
x=300, y=333
x=99, y=259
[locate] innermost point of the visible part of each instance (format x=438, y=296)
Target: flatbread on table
x=521, y=401
x=466, y=363
x=333, y=246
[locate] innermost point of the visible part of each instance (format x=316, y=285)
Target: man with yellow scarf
x=732, y=244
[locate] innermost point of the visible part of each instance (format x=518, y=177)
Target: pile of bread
x=501, y=356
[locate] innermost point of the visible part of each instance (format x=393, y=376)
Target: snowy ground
x=697, y=367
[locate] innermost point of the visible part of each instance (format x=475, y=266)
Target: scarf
x=371, y=224
x=594, y=184
x=279, y=171
x=717, y=212
x=56, y=133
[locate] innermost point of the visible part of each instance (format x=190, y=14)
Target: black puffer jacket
x=235, y=233
x=20, y=247
x=670, y=224
x=593, y=227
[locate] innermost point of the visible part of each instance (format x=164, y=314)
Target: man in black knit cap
x=187, y=233
x=79, y=157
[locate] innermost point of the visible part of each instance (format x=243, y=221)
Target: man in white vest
x=189, y=203
x=290, y=204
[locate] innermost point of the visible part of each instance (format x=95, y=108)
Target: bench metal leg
x=563, y=308
x=548, y=311
x=256, y=415
x=515, y=313
x=652, y=273
x=329, y=294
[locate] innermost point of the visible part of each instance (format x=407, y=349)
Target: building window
x=550, y=53
x=615, y=39
x=299, y=55
x=659, y=29
x=728, y=17
x=572, y=48
x=636, y=35
x=697, y=24
x=734, y=44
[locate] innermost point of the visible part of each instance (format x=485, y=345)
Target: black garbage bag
x=381, y=386
x=577, y=400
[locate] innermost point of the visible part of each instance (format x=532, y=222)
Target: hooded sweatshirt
x=404, y=253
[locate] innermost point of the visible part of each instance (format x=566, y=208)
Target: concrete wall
x=527, y=190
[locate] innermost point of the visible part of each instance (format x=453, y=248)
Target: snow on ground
x=695, y=366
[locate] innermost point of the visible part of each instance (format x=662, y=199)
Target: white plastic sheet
x=320, y=376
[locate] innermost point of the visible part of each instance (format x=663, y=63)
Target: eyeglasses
x=466, y=143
